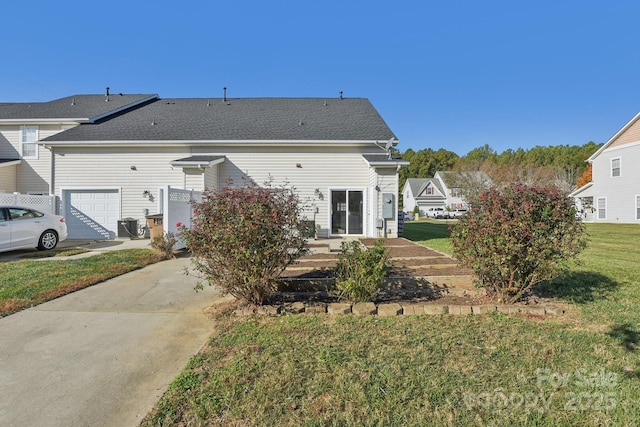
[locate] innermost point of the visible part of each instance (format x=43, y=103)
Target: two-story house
x=613, y=195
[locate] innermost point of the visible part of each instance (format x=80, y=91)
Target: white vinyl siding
x=33, y=174
x=8, y=179
x=616, y=167
x=28, y=139
x=320, y=169
x=620, y=191
x=602, y=207
x=112, y=167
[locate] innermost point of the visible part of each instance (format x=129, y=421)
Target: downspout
x=52, y=174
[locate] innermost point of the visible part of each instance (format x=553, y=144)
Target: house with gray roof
x=107, y=156
x=447, y=189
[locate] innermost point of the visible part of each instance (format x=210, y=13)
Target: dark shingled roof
x=245, y=119
x=82, y=107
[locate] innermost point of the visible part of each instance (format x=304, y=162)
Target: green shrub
x=360, y=271
x=518, y=237
x=242, y=238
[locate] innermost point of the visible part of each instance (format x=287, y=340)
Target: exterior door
x=347, y=212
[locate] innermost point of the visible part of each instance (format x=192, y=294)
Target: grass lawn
x=576, y=370
x=24, y=284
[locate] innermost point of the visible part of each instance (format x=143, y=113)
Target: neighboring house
x=440, y=191
x=111, y=163
x=422, y=192
x=614, y=193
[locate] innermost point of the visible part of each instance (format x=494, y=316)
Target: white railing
x=41, y=203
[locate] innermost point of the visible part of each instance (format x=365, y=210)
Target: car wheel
x=48, y=240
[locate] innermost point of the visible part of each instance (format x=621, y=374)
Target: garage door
x=92, y=214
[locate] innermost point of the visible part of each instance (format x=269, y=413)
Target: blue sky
x=445, y=74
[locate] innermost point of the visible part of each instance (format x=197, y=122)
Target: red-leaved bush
x=517, y=237
x=242, y=238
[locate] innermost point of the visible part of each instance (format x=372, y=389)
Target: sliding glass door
x=347, y=212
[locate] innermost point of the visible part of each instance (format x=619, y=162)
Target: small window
x=29, y=147
x=615, y=167
x=602, y=208
x=429, y=190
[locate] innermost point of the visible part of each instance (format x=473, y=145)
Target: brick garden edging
x=396, y=309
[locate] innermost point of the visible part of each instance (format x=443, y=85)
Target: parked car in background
x=407, y=216
x=437, y=213
x=23, y=228
x=457, y=213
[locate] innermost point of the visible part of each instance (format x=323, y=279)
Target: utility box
x=128, y=227
x=388, y=212
x=154, y=222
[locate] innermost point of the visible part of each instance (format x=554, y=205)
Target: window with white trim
x=602, y=208
x=28, y=142
x=616, y=169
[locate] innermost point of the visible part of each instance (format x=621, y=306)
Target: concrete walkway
x=104, y=355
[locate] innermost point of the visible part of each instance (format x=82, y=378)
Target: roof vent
x=208, y=103
x=224, y=89
x=153, y=122
x=73, y=101
x=341, y=95
x=107, y=92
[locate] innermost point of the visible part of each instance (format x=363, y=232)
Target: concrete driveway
x=102, y=356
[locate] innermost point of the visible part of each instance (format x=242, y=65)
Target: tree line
x=563, y=165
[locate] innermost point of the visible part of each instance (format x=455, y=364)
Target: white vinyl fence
x=175, y=206
x=41, y=203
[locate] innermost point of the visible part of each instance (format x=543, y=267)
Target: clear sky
x=443, y=74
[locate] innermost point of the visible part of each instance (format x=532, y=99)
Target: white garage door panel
x=92, y=214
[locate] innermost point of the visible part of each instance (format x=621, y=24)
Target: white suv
x=437, y=213
x=456, y=213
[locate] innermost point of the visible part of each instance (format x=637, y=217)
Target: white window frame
x=619, y=168
x=23, y=141
x=604, y=199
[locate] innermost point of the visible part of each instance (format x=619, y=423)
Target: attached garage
x=91, y=213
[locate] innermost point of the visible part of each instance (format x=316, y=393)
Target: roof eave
x=260, y=142
x=613, y=138
x=70, y=120
x=10, y=163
